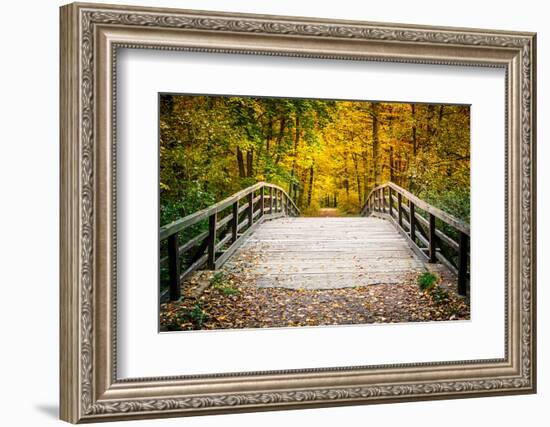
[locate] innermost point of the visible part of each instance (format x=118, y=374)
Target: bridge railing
x=426, y=227
x=229, y=222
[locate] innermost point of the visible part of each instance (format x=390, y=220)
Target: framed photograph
x=267, y=212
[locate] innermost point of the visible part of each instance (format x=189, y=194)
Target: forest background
x=324, y=153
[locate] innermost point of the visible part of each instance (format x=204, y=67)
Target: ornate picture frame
x=90, y=37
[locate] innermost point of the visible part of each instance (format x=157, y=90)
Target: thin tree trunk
x=282, y=126
x=346, y=174
x=365, y=173
x=376, y=144
x=303, y=181
x=296, y=142
x=414, y=142
x=240, y=162
x=310, y=189
x=392, y=166
x=358, y=178
x=269, y=136
x=250, y=162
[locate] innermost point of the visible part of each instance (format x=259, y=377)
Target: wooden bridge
x=259, y=232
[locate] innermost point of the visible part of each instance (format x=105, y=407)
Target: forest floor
x=225, y=301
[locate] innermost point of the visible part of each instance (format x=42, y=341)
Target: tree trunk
x=392, y=166
x=282, y=126
x=296, y=142
x=365, y=174
x=358, y=178
x=250, y=162
x=375, y=144
x=414, y=142
x=310, y=189
x=240, y=162
x=269, y=136
x=346, y=174
x=303, y=181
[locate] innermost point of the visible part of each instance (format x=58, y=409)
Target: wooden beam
x=412, y=220
x=235, y=221
x=181, y=223
x=421, y=204
x=400, y=210
x=433, y=239
x=250, y=210
x=463, y=264
x=174, y=267
x=212, y=241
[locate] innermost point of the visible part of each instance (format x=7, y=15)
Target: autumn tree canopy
x=322, y=152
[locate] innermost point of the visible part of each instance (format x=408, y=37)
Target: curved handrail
x=438, y=213
x=191, y=219
x=422, y=233
x=224, y=235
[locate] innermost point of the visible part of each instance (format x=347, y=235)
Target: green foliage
x=427, y=280
x=223, y=284
x=193, y=318
x=213, y=146
x=439, y=295
x=198, y=316
x=190, y=199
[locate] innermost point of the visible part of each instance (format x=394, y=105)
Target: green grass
x=427, y=280
x=221, y=283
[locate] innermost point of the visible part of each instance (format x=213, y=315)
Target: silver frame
x=90, y=36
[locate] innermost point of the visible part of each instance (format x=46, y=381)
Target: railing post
x=400, y=209
x=463, y=263
x=383, y=194
x=250, y=208
x=174, y=267
x=432, y=249
x=212, y=219
x=262, y=202
x=235, y=221
x=412, y=221
x=390, y=200
x=270, y=200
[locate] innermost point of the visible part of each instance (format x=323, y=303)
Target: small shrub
x=198, y=316
x=427, y=280
x=222, y=284
x=439, y=295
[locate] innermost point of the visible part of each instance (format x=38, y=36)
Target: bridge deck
x=325, y=253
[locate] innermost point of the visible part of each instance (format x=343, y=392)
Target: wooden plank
x=243, y=207
x=433, y=239
x=188, y=245
x=212, y=241
x=400, y=209
x=250, y=210
x=235, y=221
x=174, y=267
x=444, y=216
x=463, y=245
x=450, y=242
x=193, y=267
x=223, y=241
x=198, y=216
x=221, y=223
x=231, y=250
x=412, y=222
x=446, y=263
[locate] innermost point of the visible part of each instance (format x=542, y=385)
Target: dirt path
x=329, y=212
